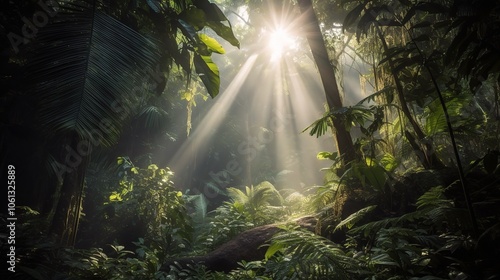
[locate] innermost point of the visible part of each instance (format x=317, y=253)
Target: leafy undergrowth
x=434, y=241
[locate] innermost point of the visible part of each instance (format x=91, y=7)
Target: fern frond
x=309, y=256
x=433, y=198
x=432, y=207
x=355, y=217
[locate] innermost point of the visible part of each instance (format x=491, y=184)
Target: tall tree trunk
x=67, y=208
x=327, y=73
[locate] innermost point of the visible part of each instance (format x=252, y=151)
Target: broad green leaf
x=183, y=58
x=208, y=72
x=217, y=21
x=273, y=249
x=327, y=155
x=388, y=162
x=353, y=15
x=211, y=43
x=118, y=248
x=225, y=32
x=212, y=10
x=189, y=31
x=374, y=175
x=195, y=17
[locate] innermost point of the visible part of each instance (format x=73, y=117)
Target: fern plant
x=419, y=244
x=260, y=204
x=300, y=254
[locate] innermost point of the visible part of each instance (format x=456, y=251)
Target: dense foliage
x=411, y=192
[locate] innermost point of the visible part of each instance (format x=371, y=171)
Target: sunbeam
x=274, y=96
x=212, y=120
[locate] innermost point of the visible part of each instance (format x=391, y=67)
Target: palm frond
x=236, y=195
x=324, y=196
x=200, y=204
x=84, y=71
x=152, y=118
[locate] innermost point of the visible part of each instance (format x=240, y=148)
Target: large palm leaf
x=87, y=69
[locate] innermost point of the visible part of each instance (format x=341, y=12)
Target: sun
x=280, y=40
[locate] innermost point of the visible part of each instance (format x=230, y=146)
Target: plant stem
x=429, y=159
x=461, y=172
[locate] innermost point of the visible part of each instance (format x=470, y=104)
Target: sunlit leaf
x=388, y=162
x=351, y=220
x=115, y=197
x=153, y=167
x=212, y=44
x=273, y=249
x=208, y=73
x=327, y=155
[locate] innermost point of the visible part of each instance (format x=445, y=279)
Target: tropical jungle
x=250, y=139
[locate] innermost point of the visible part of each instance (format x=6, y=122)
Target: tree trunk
x=66, y=211
x=326, y=70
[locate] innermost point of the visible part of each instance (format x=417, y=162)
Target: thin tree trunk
x=67, y=209
x=327, y=73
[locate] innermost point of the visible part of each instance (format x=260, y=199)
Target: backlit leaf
x=211, y=44
x=208, y=73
